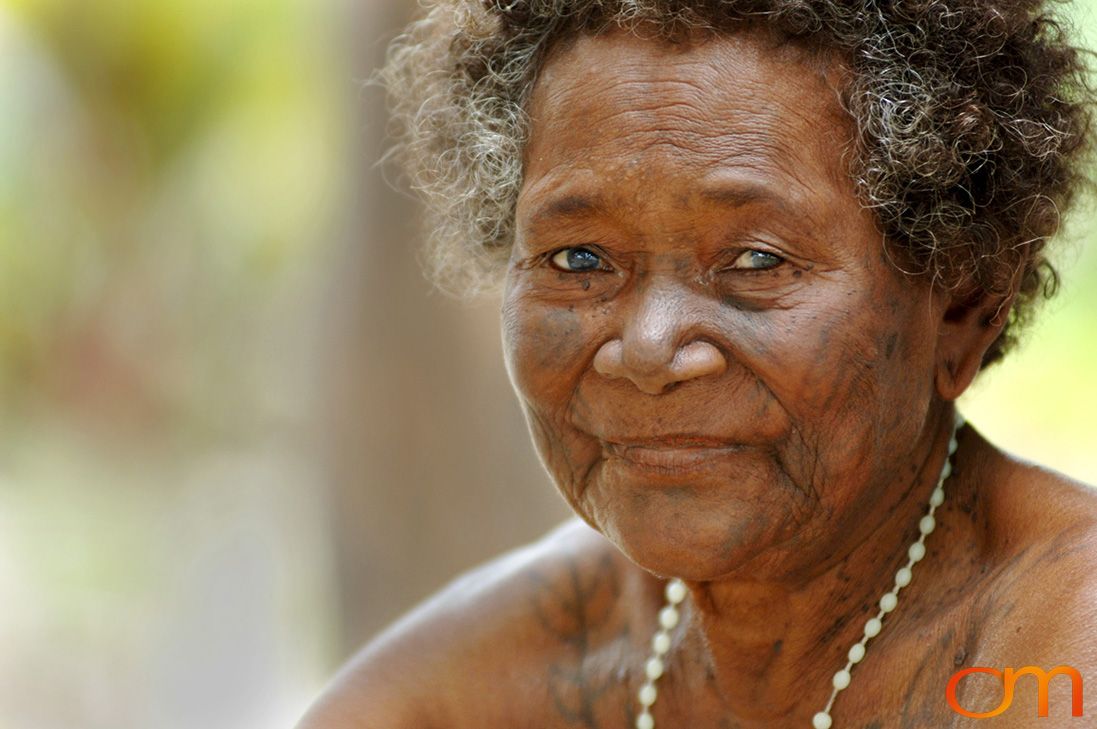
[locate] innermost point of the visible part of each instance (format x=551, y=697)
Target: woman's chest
x=908, y=692
x=901, y=684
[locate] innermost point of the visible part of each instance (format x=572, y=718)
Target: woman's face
x=719, y=365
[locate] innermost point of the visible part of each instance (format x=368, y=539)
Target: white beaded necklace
x=676, y=593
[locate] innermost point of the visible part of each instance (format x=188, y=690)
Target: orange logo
x=1009, y=679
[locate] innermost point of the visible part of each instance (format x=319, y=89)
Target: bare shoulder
x=482, y=643
x=1042, y=530
x=1033, y=512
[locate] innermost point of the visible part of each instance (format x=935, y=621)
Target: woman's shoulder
x=1032, y=508
x=486, y=638
x=1041, y=527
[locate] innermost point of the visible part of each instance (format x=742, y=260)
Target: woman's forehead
x=623, y=108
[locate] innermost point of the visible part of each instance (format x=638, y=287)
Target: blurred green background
x=238, y=431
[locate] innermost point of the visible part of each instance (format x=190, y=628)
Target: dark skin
x=730, y=381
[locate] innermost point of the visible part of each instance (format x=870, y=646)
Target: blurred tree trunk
x=430, y=465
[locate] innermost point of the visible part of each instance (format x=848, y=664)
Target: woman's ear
x=970, y=324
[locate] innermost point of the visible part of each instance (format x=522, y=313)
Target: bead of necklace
x=676, y=591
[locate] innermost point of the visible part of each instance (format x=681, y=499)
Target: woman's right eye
x=756, y=260
x=577, y=260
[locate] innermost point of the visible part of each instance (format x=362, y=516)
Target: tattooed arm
x=1054, y=623
x=511, y=644
x=1039, y=608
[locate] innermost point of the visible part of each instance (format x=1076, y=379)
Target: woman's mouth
x=672, y=454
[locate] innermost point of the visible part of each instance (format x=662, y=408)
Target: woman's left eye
x=755, y=260
x=577, y=260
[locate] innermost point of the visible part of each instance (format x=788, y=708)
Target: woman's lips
x=672, y=454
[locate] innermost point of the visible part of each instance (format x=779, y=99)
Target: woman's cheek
x=545, y=347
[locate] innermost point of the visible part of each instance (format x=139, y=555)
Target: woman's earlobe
x=969, y=327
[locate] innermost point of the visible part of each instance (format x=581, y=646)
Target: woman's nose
x=658, y=346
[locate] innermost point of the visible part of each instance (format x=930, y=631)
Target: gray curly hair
x=972, y=123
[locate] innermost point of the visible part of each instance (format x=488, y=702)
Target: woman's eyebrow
x=581, y=205
x=738, y=195
x=572, y=205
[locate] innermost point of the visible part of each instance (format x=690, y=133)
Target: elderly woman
x=753, y=251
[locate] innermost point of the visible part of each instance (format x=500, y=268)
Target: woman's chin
x=671, y=537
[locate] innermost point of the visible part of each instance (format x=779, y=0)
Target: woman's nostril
x=656, y=373
x=608, y=359
x=698, y=359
